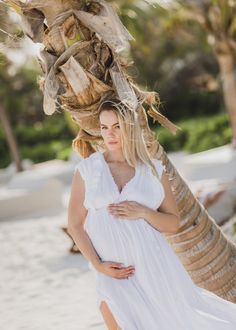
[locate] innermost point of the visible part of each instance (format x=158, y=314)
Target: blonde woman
x=121, y=205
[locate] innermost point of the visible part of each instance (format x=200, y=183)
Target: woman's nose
x=111, y=133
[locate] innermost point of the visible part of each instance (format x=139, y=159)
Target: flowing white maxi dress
x=161, y=294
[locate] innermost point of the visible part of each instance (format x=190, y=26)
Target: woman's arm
x=166, y=218
x=76, y=217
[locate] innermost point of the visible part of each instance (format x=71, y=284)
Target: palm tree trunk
x=227, y=65
x=206, y=253
x=11, y=140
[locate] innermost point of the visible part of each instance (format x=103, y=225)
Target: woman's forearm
x=84, y=244
x=163, y=222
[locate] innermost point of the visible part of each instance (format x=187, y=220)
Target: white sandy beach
x=43, y=285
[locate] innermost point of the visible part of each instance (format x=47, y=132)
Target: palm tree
x=4, y=119
x=11, y=139
x=84, y=63
x=218, y=19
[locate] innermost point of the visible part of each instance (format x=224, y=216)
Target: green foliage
x=234, y=227
x=72, y=125
x=5, y=158
x=197, y=134
x=46, y=151
x=41, y=141
x=20, y=94
x=52, y=138
x=172, y=56
x=53, y=127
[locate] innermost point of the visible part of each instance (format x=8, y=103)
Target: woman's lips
x=111, y=142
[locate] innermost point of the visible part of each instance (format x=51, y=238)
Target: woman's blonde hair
x=132, y=140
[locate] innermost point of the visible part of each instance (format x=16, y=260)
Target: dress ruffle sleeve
x=90, y=169
x=82, y=167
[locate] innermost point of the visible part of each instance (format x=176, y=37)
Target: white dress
x=160, y=295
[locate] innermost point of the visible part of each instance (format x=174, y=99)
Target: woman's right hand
x=115, y=269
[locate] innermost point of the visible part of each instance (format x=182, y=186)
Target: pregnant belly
x=120, y=240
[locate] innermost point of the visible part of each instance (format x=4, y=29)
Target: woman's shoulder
x=90, y=158
x=85, y=165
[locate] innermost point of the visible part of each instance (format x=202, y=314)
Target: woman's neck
x=115, y=156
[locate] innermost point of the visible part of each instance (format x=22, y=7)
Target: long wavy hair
x=132, y=140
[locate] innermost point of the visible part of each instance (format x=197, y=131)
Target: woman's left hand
x=127, y=210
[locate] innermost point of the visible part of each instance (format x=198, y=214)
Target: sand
x=43, y=286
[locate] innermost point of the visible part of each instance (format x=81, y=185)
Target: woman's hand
x=127, y=210
x=115, y=269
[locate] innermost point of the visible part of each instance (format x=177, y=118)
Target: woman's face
x=110, y=129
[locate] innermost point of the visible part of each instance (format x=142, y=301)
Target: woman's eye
x=118, y=126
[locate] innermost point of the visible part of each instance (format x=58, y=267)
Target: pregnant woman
x=121, y=205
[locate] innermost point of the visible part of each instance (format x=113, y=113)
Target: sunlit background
x=43, y=284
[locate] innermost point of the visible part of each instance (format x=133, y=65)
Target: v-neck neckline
x=112, y=178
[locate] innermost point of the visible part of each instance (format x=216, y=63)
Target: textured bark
x=227, y=65
x=83, y=65
x=11, y=140
x=207, y=254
